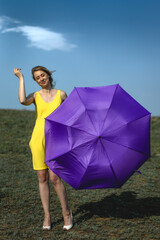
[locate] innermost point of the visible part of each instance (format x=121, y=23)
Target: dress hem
x=40, y=168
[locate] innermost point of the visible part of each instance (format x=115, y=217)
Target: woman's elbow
x=25, y=102
x=22, y=101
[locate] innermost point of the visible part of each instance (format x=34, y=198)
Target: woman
x=46, y=101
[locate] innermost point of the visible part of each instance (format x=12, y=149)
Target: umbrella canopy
x=97, y=138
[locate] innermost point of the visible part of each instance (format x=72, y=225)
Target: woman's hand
x=17, y=72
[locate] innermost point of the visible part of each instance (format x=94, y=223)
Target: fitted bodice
x=43, y=109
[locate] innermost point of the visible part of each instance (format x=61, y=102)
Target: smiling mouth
x=43, y=81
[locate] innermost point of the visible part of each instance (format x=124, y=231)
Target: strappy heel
x=68, y=227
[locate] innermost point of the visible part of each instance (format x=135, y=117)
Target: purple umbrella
x=97, y=138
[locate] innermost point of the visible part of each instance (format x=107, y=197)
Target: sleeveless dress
x=37, y=142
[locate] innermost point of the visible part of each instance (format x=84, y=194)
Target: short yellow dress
x=37, y=142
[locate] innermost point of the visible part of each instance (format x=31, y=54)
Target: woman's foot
x=68, y=221
x=47, y=223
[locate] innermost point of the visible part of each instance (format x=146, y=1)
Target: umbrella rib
x=122, y=127
x=109, y=107
x=125, y=146
x=127, y=123
x=85, y=170
x=72, y=127
x=70, y=150
x=85, y=108
x=111, y=166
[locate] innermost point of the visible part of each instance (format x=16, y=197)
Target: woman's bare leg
x=43, y=178
x=62, y=195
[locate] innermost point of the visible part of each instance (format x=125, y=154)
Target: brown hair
x=37, y=68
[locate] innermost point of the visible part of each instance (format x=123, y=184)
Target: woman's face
x=42, y=78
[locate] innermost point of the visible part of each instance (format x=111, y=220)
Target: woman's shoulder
x=32, y=95
x=63, y=95
x=30, y=98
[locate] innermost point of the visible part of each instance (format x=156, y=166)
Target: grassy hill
x=131, y=212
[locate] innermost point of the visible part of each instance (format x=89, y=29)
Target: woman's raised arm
x=22, y=93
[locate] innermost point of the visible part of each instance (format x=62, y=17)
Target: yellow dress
x=37, y=142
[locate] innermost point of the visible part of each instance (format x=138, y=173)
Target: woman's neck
x=46, y=90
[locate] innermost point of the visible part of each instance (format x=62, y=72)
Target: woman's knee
x=43, y=176
x=54, y=179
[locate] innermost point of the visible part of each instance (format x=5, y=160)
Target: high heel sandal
x=46, y=227
x=68, y=227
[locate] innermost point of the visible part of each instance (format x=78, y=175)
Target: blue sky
x=87, y=42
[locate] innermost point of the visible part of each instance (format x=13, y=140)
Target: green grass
x=131, y=212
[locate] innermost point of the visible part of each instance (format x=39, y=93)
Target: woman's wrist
x=21, y=77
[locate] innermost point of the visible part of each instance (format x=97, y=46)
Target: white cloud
x=4, y=21
x=37, y=36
